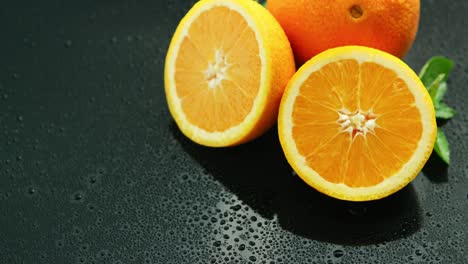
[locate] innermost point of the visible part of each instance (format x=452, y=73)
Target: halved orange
x=356, y=123
x=226, y=69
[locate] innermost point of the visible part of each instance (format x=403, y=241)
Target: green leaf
x=444, y=111
x=441, y=90
x=442, y=146
x=433, y=89
x=435, y=66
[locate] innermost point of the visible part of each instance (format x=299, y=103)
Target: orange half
x=356, y=123
x=226, y=69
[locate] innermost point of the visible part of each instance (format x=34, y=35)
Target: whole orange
x=313, y=26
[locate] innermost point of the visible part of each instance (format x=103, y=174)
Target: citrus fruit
x=225, y=72
x=313, y=26
x=356, y=123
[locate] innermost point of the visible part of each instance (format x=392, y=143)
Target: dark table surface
x=94, y=170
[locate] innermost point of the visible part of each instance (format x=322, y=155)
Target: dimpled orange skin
x=313, y=26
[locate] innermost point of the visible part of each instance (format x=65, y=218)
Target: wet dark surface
x=94, y=170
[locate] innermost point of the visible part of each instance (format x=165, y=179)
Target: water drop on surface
x=20, y=118
x=217, y=243
x=338, y=253
x=32, y=190
x=67, y=43
x=59, y=243
x=78, y=197
x=236, y=207
x=92, y=179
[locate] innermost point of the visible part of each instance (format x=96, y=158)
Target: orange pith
x=355, y=123
x=218, y=77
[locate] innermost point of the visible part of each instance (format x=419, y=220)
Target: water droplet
x=217, y=243
x=59, y=243
x=101, y=170
x=85, y=247
x=78, y=197
x=252, y=258
x=32, y=190
x=103, y=253
x=184, y=177
x=338, y=253
x=20, y=118
x=77, y=230
x=92, y=179
x=67, y=43
x=241, y=247
x=236, y=207
x=19, y=158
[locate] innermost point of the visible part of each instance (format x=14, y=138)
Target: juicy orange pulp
x=365, y=124
x=217, y=86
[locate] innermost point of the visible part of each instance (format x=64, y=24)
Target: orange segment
x=226, y=68
x=356, y=123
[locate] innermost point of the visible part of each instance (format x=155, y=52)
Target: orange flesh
x=225, y=32
x=355, y=159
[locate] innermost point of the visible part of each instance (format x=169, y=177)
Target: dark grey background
x=94, y=170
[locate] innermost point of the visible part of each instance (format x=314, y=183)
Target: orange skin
x=313, y=26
